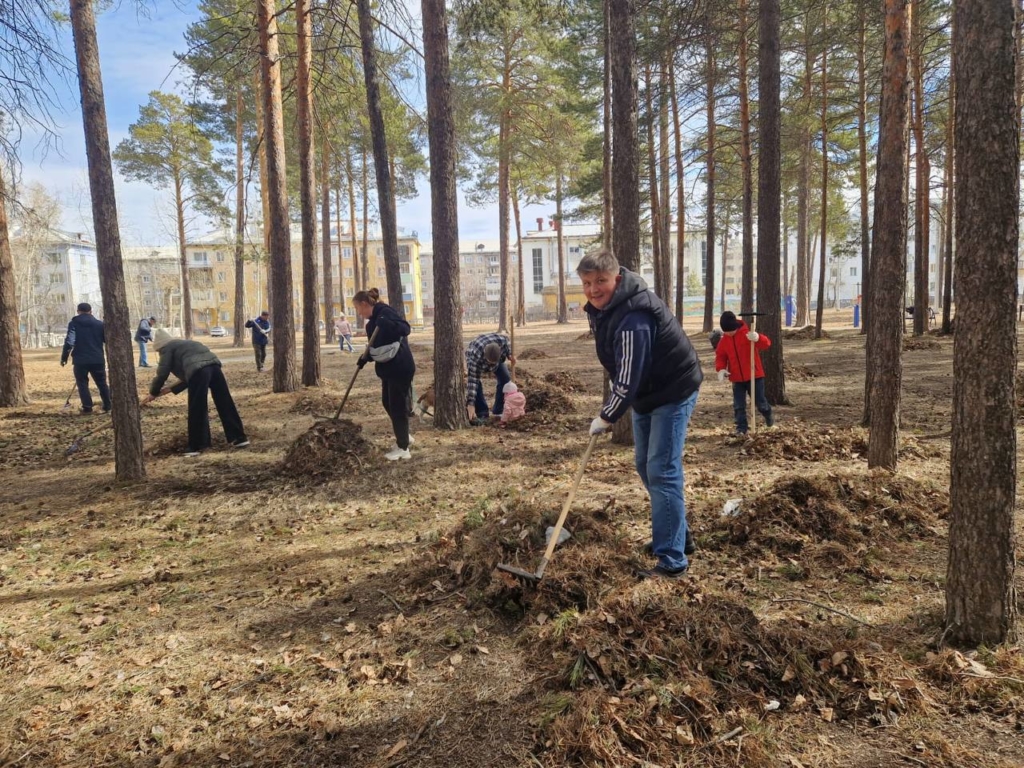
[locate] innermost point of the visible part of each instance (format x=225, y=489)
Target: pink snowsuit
x=515, y=403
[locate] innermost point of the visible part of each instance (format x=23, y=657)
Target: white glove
x=723, y=374
x=753, y=336
x=599, y=426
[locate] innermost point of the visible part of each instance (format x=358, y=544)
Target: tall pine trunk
x=947, y=276
x=357, y=257
x=261, y=139
x=803, y=257
x=366, y=223
x=341, y=256
x=521, y=271
x=12, y=370
x=664, y=196
x=747, y=280
x=922, y=181
x=725, y=261
x=186, y=282
x=889, y=244
x=680, y=201
x=626, y=155
x=652, y=175
x=325, y=246
x=980, y=597
x=769, y=192
x=504, y=161
x=239, y=309
x=128, y=457
x=709, y=180
x=307, y=199
x=277, y=193
x=823, y=245
x=606, y=170
x=449, y=359
x=862, y=145
x=563, y=310
x=385, y=196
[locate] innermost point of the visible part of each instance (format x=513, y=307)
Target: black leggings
x=210, y=380
x=394, y=396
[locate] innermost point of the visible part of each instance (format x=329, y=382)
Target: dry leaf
x=789, y=674
x=455, y=660
x=839, y=657
x=827, y=714
x=154, y=608
x=396, y=749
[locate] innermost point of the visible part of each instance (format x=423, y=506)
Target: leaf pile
x=533, y=353
x=796, y=372
x=919, y=343
x=329, y=450
x=543, y=398
x=798, y=441
x=803, y=334
x=566, y=381
x=835, y=519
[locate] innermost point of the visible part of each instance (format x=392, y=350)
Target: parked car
x=218, y=331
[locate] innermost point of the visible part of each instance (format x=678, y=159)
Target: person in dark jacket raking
x=655, y=370
x=260, y=336
x=144, y=336
x=393, y=364
x=84, y=343
x=198, y=370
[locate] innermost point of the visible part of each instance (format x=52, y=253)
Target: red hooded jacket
x=733, y=352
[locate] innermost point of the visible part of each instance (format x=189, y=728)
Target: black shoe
x=240, y=443
x=769, y=420
x=85, y=411
x=661, y=572
x=688, y=546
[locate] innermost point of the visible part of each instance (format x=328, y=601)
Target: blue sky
x=136, y=56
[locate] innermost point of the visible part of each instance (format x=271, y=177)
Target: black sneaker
x=85, y=411
x=769, y=420
x=242, y=443
x=661, y=572
x=689, y=547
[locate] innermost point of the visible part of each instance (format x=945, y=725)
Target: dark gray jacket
x=182, y=358
x=144, y=332
x=84, y=341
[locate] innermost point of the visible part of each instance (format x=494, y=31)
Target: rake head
x=74, y=448
x=526, y=577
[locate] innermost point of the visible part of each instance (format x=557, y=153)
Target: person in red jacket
x=732, y=359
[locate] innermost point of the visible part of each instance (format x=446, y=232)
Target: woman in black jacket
x=393, y=364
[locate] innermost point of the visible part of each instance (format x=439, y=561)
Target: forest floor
x=241, y=609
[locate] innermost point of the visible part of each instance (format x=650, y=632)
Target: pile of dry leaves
x=804, y=334
x=806, y=441
x=329, y=450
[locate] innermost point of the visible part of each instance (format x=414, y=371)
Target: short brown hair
x=492, y=353
x=370, y=297
x=601, y=260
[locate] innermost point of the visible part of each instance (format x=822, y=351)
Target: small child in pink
x=515, y=403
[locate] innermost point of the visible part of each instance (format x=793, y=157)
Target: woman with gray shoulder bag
x=393, y=364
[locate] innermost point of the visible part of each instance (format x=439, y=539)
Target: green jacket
x=182, y=358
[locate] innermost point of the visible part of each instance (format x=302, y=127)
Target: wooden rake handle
x=352, y=381
x=565, y=507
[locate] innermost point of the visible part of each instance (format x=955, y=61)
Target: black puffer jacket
x=392, y=328
x=675, y=371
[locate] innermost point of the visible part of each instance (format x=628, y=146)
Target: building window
x=538, y=270
x=406, y=268
x=348, y=271
x=853, y=271
x=56, y=278
x=346, y=252
x=835, y=273
x=223, y=296
x=145, y=278
x=220, y=256
x=403, y=252
x=220, y=277
x=225, y=316
x=380, y=272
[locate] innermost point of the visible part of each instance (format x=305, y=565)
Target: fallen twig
x=823, y=607
x=730, y=735
x=394, y=602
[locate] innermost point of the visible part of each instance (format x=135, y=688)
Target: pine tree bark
x=889, y=244
x=922, y=183
x=725, y=262
x=747, y=276
x=307, y=199
x=664, y=196
x=385, y=198
x=261, y=138
x=325, y=246
x=449, y=359
x=186, y=282
x=357, y=257
x=626, y=156
x=652, y=176
x=366, y=226
x=13, y=391
x=341, y=257
x=563, y=310
x=680, y=201
x=769, y=193
x=709, y=181
x=823, y=244
x=277, y=198
x=862, y=144
x=504, y=162
x=980, y=597
x=947, y=275
x=803, y=258
x=239, y=310
x=521, y=271
x=128, y=457
x=606, y=175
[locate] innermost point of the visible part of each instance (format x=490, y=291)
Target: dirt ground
x=240, y=610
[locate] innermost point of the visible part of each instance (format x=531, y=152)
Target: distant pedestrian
x=199, y=371
x=394, y=364
x=260, y=336
x=485, y=354
x=144, y=336
x=344, y=330
x=84, y=343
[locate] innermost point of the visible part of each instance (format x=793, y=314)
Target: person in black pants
x=84, y=343
x=393, y=363
x=198, y=371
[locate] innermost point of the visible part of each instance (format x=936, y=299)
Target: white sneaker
x=394, y=446
x=397, y=453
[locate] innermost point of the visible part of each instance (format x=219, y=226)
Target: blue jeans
x=660, y=437
x=740, y=393
x=480, y=403
x=143, y=359
x=346, y=339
